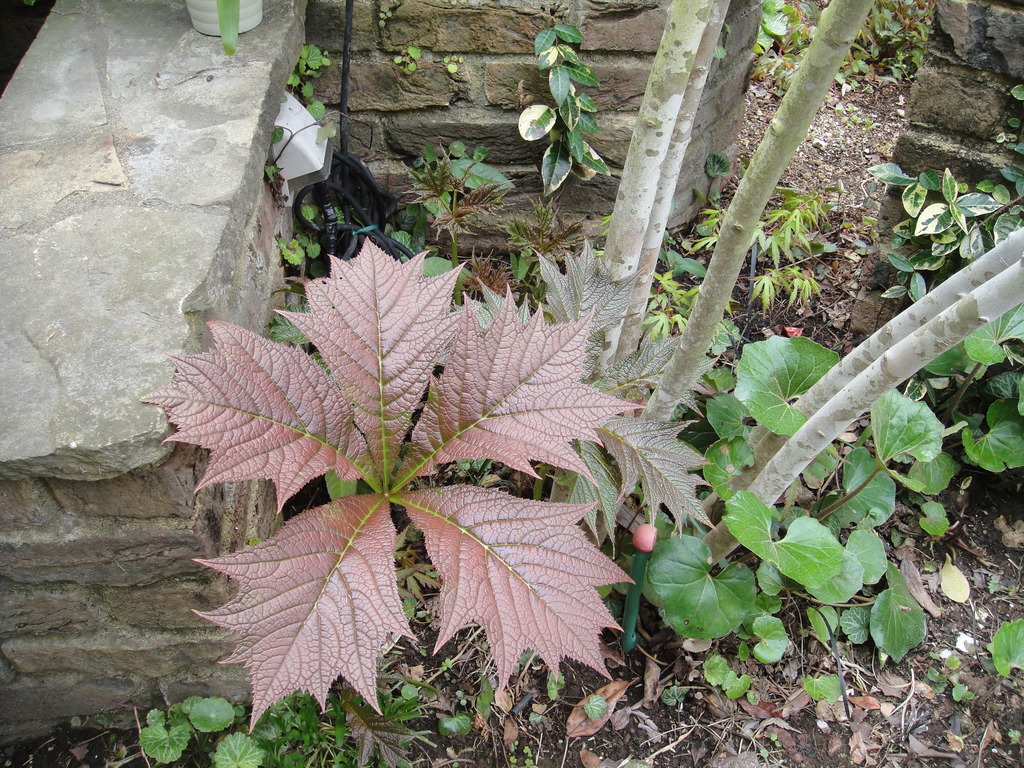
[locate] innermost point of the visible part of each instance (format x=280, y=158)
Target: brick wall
x=961, y=98
x=395, y=114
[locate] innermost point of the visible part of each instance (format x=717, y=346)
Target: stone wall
x=132, y=210
x=961, y=99
x=395, y=114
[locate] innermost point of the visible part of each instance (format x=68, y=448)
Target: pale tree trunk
x=840, y=22
x=940, y=298
x=639, y=186
x=951, y=317
x=632, y=326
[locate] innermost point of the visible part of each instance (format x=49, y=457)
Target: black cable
x=352, y=205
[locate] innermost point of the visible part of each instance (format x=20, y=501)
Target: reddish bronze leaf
x=521, y=568
x=380, y=327
x=265, y=410
x=317, y=600
x=512, y=392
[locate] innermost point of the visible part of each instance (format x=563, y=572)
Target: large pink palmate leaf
x=513, y=393
x=265, y=410
x=319, y=598
x=521, y=568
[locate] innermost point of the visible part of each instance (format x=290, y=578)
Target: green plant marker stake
x=643, y=539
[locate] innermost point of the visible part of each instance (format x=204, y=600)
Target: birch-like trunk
x=639, y=185
x=840, y=22
x=629, y=333
x=979, y=295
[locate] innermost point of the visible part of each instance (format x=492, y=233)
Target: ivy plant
x=571, y=118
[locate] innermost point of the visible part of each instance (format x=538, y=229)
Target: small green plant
x=718, y=674
x=310, y=66
x=674, y=696
x=947, y=225
x=889, y=48
x=457, y=189
x=409, y=60
x=571, y=118
x=452, y=63
x=194, y=724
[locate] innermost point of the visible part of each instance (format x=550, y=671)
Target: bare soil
x=902, y=715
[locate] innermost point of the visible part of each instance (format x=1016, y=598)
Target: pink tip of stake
x=644, y=537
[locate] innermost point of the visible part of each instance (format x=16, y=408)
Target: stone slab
x=37, y=178
x=60, y=66
x=93, y=293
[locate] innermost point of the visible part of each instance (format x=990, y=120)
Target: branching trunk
x=907, y=354
x=937, y=300
x=632, y=326
x=839, y=25
x=639, y=187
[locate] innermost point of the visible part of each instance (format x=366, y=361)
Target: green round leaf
x=455, y=725
x=875, y=503
x=695, y=603
x=855, y=623
x=870, y=551
x=1002, y=447
x=808, y=552
x=897, y=621
x=933, y=476
x=773, y=639
x=212, y=714
x=1007, y=647
x=901, y=426
x=726, y=459
x=726, y=414
x=162, y=745
x=237, y=750
x=826, y=687
x=985, y=345
x=845, y=584
x=771, y=373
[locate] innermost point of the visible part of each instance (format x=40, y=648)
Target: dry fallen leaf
x=652, y=673
x=865, y=702
x=921, y=749
x=510, y=732
x=917, y=588
x=953, y=582
x=860, y=752
x=589, y=759
x=503, y=700
x=578, y=725
x=1013, y=535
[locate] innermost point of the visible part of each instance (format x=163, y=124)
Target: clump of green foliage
x=457, y=189
x=571, y=118
x=293, y=734
x=889, y=48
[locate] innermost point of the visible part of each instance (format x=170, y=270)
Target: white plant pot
x=204, y=15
